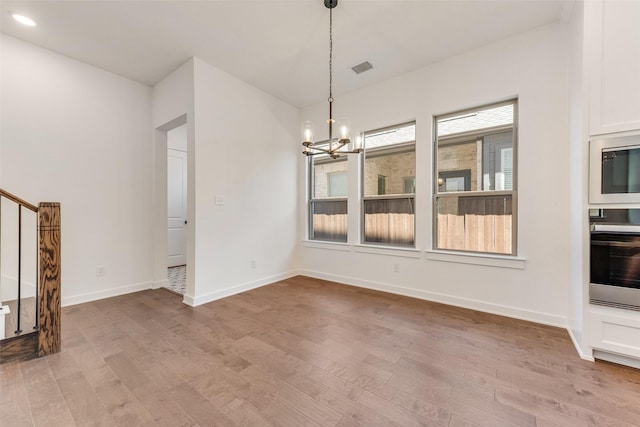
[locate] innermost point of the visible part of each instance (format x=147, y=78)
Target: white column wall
x=578, y=176
x=245, y=142
x=173, y=106
x=531, y=66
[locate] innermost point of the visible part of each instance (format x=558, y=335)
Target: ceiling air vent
x=361, y=68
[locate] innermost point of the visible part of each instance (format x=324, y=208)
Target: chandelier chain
x=330, y=55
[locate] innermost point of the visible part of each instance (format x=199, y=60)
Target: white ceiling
x=279, y=46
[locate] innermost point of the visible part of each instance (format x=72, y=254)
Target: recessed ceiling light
x=23, y=20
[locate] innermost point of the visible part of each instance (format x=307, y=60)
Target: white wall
x=531, y=66
x=81, y=136
x=245, y=156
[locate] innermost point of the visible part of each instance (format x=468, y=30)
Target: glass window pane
x=385, y=172
x=390, y=136
x=328, y=220
x=329, y=178
x=497, y=161
x=477, y=224
x=389, y=221
x=475, y=152
x=484, y=118
x=389, y=169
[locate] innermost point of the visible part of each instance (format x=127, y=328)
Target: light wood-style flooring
x=305, y=352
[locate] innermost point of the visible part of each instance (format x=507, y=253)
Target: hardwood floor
x=308, y=352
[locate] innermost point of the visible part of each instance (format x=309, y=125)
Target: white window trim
x=325, y=244
x=479, y=258
x=398, y=251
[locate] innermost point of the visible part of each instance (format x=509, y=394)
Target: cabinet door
x=615, y=65
x=615, y=330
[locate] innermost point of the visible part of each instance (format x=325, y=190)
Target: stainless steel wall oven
x=615, y=258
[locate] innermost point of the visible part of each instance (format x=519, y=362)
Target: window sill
x=388, y=250
x=477, y=259
x=334, y=246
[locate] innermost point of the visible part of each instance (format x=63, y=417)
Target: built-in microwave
x=614, y=170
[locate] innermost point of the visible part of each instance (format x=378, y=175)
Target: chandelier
x=336, y=145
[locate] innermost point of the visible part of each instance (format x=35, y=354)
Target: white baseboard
x=233, y=290
x=107, y=293
x=578, y=347
x=160, y=284
x=9, y=291
x=516, y=313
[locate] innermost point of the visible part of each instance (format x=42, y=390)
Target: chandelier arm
x=320, y=150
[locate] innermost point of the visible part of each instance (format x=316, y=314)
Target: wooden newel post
x=49, y=302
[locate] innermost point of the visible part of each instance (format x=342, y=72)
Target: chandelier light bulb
x=358, y=143
x=307, y=133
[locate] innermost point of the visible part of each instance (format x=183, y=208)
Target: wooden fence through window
x=478, y=224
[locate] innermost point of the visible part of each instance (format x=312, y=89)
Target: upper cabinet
x=613, y=33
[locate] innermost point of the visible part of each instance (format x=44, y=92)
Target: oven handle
x=616, y=228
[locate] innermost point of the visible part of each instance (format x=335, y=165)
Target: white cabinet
x=615, y=330
x=613, y=37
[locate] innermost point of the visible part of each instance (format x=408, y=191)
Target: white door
x=177, y=207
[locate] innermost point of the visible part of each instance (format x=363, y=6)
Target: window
x=328, y=198
x=382, y=184
x=475, y=190
x=389, y=186
x=409, y=184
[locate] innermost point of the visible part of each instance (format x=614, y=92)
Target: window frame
x=398, y=148
x=437, y=195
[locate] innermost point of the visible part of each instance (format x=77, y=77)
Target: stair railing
x=21, y=204
x=48, y=297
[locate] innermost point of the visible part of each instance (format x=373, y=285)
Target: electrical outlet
x=254, y=264
x=396, y=268
x=99, y=271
